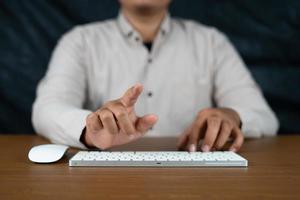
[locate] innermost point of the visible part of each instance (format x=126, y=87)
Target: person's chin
x=145, y=3
x=146, y=9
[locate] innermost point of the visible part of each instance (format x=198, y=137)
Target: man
x=187, y=74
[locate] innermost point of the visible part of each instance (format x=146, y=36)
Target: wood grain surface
x=273, y=173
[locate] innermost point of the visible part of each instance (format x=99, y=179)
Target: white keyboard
x=158, y=159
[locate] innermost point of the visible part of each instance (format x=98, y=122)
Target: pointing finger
x=121, y=115
x=131, y=95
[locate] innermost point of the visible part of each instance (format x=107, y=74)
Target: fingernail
x=205, y=148
x=192, y=148
x=137, y=85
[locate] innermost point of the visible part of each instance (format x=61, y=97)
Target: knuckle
x=214, y=112
x=90, y=122
x=204, y=112
x=91, y=129
x=120, y=112
x=197, y=123
x=105, y=115
x=213, y=120
x=217, y=112
x=90, y=117
x=199, y=114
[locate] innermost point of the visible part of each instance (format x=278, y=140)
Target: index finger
x=131, y=95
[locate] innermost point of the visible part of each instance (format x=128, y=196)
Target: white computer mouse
x=47, y=153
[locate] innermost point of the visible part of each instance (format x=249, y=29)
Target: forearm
x=257, y=123
x=256, y=116
x=59, y=123
x=235, y=88
x=58, y=112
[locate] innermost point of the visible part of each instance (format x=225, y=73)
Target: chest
x=173, y=75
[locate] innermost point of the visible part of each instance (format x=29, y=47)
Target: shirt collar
x=129, y=31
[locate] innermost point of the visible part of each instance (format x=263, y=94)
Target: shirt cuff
x=75, y=123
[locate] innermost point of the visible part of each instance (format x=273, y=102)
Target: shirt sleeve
x=58, y=112
x=235, y=88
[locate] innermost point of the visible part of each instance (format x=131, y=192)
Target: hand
x=214, y=126
x=116, y=123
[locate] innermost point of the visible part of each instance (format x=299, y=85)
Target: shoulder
x=91, y=30
x=198, y=30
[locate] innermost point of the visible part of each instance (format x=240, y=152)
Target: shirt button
x=151, y=128
x=129, y=34
x=150, y=94
x=137, y=39
x=149, y=60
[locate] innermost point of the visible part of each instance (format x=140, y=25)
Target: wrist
x=235, y=116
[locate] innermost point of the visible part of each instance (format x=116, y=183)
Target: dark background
x=265, y=32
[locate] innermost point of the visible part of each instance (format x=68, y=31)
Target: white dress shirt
x=190, y=67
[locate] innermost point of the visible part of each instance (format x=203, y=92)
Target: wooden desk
x=273, y=173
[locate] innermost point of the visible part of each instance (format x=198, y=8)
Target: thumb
x=131, y=95
x=144, y=123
